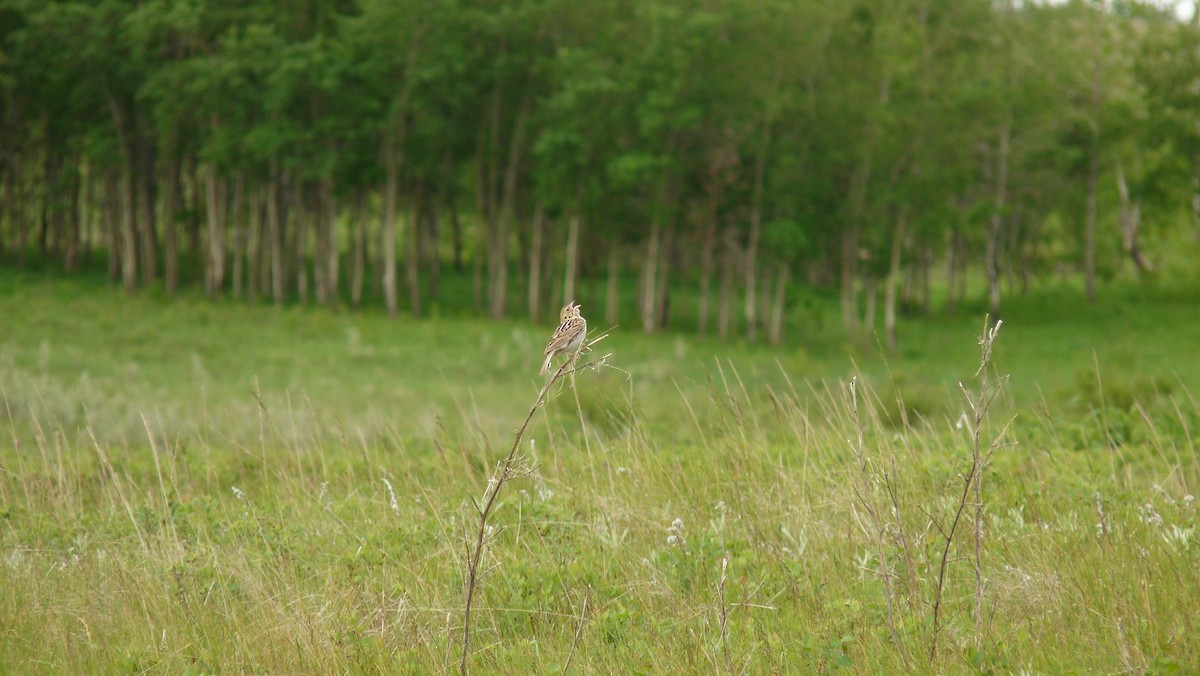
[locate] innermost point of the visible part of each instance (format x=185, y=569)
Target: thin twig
x=578, y=633
x=508, y=468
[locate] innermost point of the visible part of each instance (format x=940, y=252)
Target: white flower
x=239, y=493
x=392, y=494
x=1147, y=514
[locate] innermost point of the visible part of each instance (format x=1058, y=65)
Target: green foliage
x=818, y=123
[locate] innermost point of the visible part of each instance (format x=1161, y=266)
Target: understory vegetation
x=190, y=487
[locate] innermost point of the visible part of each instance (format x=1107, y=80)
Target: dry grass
x=743, y=524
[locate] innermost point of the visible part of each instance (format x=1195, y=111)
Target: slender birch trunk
x=391, y=185
x=358, y=274
x=707, y=263
x=752, y=249
x=893, y=280
x=996, y=221
x=775, y=328
x=239, y=234
x=536, y=247
x=725, y=295
x=611, y=300
x=214, y=277
x=649, y=283
x=412, y=271
x=275, y=234
x=663, y=292
x=571, y=274
x=170, y=209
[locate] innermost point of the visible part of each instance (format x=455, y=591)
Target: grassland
x=195, y=487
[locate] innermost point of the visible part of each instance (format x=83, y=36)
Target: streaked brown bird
x=568, y=337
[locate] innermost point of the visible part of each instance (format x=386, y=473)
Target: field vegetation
x=192, y=487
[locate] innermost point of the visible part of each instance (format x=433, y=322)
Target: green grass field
x=190, y=486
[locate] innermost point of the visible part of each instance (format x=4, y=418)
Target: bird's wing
x=563, y=336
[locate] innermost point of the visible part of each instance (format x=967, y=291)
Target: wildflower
x=239, y=493
x=392, y=494
x=675, y=532
x=1147, y=514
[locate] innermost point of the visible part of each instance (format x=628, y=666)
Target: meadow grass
x=195, y=487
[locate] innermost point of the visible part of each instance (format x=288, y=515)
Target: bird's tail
x=546, y=364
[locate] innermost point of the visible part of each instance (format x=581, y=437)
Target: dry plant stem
x=578, y=633
x=876, y=524
x=507, y=469
x=979, y=404
x=724, y=616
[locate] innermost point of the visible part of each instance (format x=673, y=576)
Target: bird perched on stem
x=568, y=337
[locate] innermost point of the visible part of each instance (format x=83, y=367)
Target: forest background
x=746, y=153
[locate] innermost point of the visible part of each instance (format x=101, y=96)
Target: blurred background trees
x=655, y=159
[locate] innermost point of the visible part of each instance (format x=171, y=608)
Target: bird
x=568, y=337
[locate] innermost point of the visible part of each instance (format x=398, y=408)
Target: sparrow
x=568, y=337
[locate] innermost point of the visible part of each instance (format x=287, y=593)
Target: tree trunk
x=775, y=328
x=412, y=271
x=74, y=225
x=147, y=231
x=254, y=239
x=893, y=280
x=1131, y=221
x=19, y=220
x=51, y=210
x=871, y=294
x=849, y=270
x=926, y=259
x=498, y=260
x=662, y=293
x=9, y=207
x=330, y=245
x=456, y=235
x=752, y=249
x=320, y=244
x=112, y=223
x=275, y=234
x=170, y=207
x=239, y=234
x=725, y=296
x=194, y=205
x=391, y=185
x=300, y=241
x=128, y=201
x=358, y=274
x=433, y=246
x=614, y=286
x=707, y=263
x=571, y=274
x=536, y=247
x=128, y=230
x=649, y=283
x=1196, y=179
x=214, y=278
x=996, y=221
x=951, y=270
x=1089, y=224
